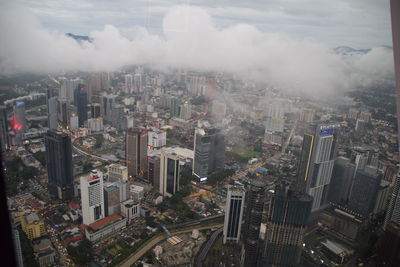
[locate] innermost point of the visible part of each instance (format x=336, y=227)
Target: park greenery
x=82, y=253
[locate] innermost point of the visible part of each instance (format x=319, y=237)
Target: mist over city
x=194, y=133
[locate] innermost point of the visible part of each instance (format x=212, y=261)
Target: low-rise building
x=105, y=227
x=44, y=252
x=130, y=209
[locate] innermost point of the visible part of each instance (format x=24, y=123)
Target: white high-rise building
x=274, y=124
x=92, y=197
x=128, y=83
x=169, y=172
x=233, y=213
x=186, y=111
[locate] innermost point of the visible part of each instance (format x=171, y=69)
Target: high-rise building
x=364, y=191
x=255, y=200
x=96, y=82
x=287, y=219
x=136, y=152
x=307, y=115
x=274, y=123
x=17, y=247
x=209, y=151
x=157, y=139
x=154, y=172
x=59, y=164
x=81, y=103
x=107, y=106
x=63, y=112
x=393, y=212
x=169, y=172
x=316, y=162
x=95, y=110
x=128, y=84
x=68, y=88
x=186, y=111
x=4, y=139
x=33, y=226
x=51, y=99
x=233, y=213
x=342, y=177
x=111, y=199
x=117, y=172
x=218, y=109
x=175, y=109
x=388, y=253
x=138, y=82
x=19, y=117
x=92, y=197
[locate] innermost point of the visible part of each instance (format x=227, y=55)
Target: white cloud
x=192, y=40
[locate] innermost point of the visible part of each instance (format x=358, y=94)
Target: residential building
x=33, y=226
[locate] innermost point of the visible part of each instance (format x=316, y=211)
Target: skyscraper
x=92, y=197
x=274, y=122
x=128, y=83
x=393, y=212
x=136, y=152
x=233, y=213
x=63, y=112
x=209, y=151
x=81, y=104
x=342, y=177
x=95, y=110
x=51, y=101
x=316, y=162
x=175, y=109
x=364, y=191
x=5, y=144
x=186, y=111
x=59, y=164
x=388, y=253
x=254, y=209
x=19, y=117
x=287, y=220
x=107, y=106
x=111, y=199
x=169, y=172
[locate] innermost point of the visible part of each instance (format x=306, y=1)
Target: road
x=135, y=256
x=80, y=151
x=203, y=253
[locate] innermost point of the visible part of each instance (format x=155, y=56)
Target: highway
x=80, y=151
x=203, y=253
x=135, y=256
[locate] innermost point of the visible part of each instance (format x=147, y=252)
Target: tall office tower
x=288, y=216
x=316, y=162
x=138, y=82
x=92, y=197
x=393, y=212
x=186, y=111
x=196, y=85
x=136, y=152
x=169, y=172
x=342, y=177
x=175, y=109
x=63, y=112
x=111, y=199
x=364, y=191
x=59, y=164
x=209, y=151
x=51, y=102
x=254, y=209
x=233, y=213
x=5, y=144
x=81, y=104
x=95, y=83
x=107, y=106
x=19, y=117
x=388, y=253
x=154, y=172
x=274, y=122
x=128, y=84
x=68, y=88
x=95, y=111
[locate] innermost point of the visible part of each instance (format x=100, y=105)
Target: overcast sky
x=356, y=23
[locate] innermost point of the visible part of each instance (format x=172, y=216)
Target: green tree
x=82, y=253
x=40, y=156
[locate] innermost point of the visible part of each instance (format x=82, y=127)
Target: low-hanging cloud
x=190, y=40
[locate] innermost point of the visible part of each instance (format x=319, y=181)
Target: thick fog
x=192, y=41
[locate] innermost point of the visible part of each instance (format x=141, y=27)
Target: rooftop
x=104, y=222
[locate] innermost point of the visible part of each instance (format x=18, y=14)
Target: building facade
x=136, y=152
x=59, y=164
x=233, y=213
x=169, y=172
x=92, y=197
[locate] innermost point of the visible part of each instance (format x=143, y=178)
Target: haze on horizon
x=290, y=49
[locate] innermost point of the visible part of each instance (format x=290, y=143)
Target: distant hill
x=78, y=37
x=346, y=50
